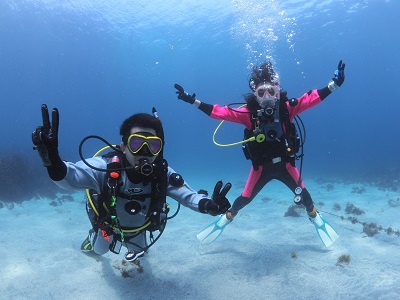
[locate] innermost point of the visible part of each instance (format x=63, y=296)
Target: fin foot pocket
x=211, y=232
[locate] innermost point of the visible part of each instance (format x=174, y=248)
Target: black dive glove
x=45, y=139
x=338, y=77
x=183, y=95
x=218, y=204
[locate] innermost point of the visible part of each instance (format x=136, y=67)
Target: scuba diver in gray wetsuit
x=127, y=187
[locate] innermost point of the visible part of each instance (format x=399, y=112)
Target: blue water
x=100, y=61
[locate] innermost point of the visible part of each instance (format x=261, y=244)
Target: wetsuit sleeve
x=237, y=115
x=80, y=176
x=308, y=100
x=324, y=92
x=185, y=195
x=206, y=108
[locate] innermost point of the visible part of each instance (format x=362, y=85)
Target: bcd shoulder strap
x=158, y=206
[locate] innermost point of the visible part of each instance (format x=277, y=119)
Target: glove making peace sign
x=45, y=138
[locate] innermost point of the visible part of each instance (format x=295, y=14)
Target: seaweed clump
x=293, y=211
x=343, y=260
x=127, y=268
x=329, y=187
x=337, y=207
x=394, y=203
x=358, y=190
x=351, y=209
x=391, y=231
x=265, y=199
x=371, y=229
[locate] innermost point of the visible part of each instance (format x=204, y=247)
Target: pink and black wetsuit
x=275, y=163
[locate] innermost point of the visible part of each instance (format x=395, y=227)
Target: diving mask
x=137, y=141
x=267, y=95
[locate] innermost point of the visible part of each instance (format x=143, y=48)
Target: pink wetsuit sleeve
x=305, y=102
x=241, y=115
x=236, y=115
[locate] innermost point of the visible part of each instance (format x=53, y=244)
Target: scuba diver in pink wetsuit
x=270, y=141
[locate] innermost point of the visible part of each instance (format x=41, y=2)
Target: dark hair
x=141, y=120
x=264, y=73
x=251, y=102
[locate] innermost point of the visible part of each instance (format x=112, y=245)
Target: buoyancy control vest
x=144, y=209
x=278, y=134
